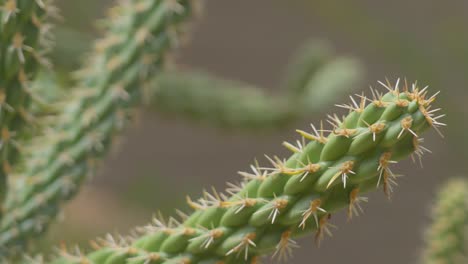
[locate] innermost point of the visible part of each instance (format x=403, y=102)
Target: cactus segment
x=200, y=96
x=234, y=104
x=241, y=225
x=305, y=63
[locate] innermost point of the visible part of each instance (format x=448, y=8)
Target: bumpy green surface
x=447, y=237
x=23, y=40
x=139, y=36
x=292, y=198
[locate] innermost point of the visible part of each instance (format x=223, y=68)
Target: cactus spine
x=447, y=237
x=23, y=40
x=294, y=197
x=140, y=34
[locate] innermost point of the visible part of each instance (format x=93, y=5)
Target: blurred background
x=163, y=158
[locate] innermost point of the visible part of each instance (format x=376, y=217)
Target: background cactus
x=313, y=70
x=239, y=105
x=447, y=237
x=24, y=38
x=140, y=35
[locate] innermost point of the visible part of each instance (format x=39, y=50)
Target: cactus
x=140, y=35
x=294, y=197
x=447, y=237
x=237, y=105
x=313, y=70
x=51, y=143
x=225, y=103
x=307, y=61
x=78, y=129
x=314, y=78
x=24, y=38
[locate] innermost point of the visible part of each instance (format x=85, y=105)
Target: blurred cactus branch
x=304, y=63
x=24, y=39
x=233, y=104
x=201, y=96
x=314, y=78
x=447, y=236
x=138, y=39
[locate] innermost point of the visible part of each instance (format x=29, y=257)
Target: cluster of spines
x=447, y=237
x=139, y=37
x=24, y=39
x=293, y=197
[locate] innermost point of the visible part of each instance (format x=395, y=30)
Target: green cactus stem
x=305, y=63
x=447, y=237
x=232, y=104
x=139, y=37
x=313, y=70
x=24, y=34
x=293, y=197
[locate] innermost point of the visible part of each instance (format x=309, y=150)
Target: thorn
x=257, y=174
x=345, y=169
x=210, y=237
x=275, y=206
x=234, y=188
x=324, y=228
x=385, y=173
x=244, y=245
x=279, y=166
x=344, y=132
x=354, y=203
x=284, y=248
x=375, y=129
x=386, y=86
x=316, y=136
x=313, y=209
x=194, y=205
x=293, y=148
x=429, y=115
x=406, y=124
x=419, y=150
x=11, y=9
x=307, y=169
